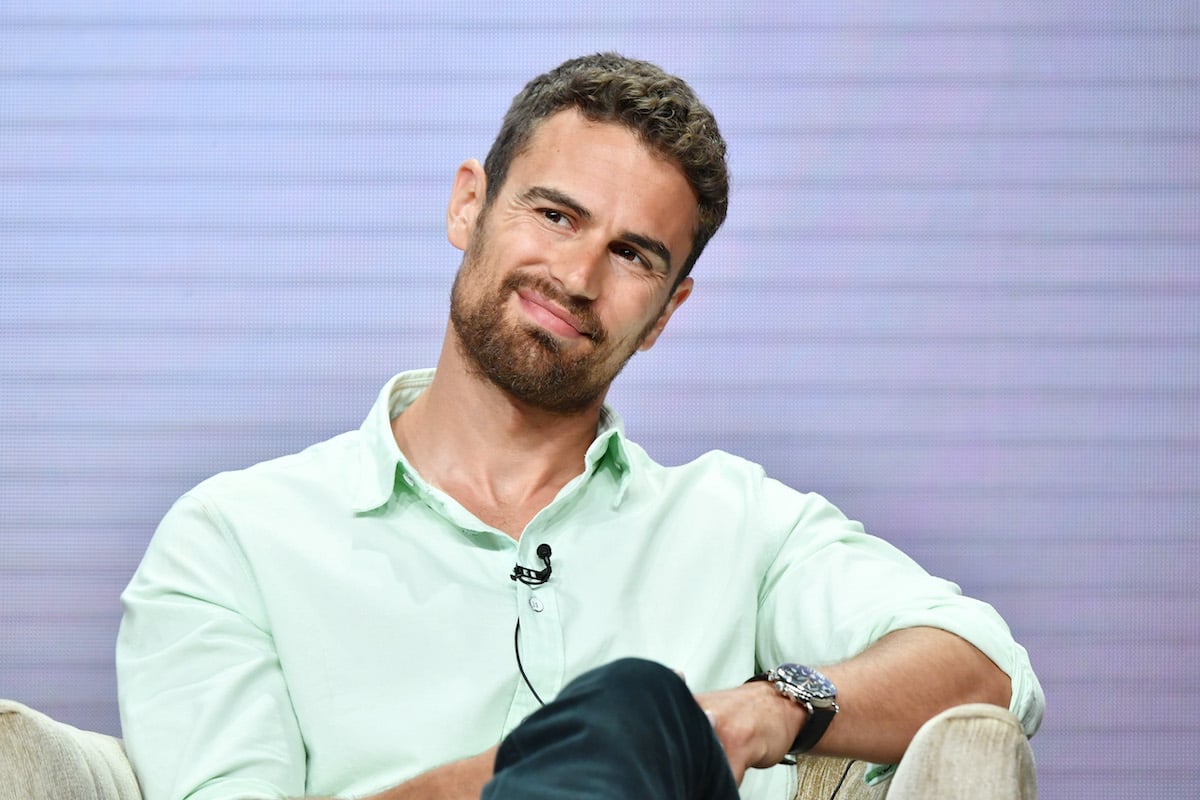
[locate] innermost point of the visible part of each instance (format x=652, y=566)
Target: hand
x=755, y=723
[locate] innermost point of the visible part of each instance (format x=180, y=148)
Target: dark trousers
x=627, y=730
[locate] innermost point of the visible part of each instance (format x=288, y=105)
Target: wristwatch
x=810, y=689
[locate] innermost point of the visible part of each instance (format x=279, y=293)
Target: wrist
x=777, y=722
x=790, y=714
x=809, y=691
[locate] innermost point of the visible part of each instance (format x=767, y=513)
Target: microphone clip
x=534, y=577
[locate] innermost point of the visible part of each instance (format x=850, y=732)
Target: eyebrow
x=549, y=195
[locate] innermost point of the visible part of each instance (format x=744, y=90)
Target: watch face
x=807, y=684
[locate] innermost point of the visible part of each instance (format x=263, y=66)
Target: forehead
x=608, y=168
x=569, y=130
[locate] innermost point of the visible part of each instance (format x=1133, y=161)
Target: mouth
x=551, y=316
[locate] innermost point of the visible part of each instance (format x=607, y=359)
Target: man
x=375, y=614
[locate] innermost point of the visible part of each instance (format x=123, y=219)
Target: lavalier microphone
x=534, y=577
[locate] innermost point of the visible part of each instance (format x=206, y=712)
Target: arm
x=204, y=700
x=200, y=688
x=901, y=682
x=458, y=780
x=834, y=593
x=885, y=694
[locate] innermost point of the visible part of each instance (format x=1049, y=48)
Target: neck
x=502, y=459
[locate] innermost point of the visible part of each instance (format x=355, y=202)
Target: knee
x=636, y=692
x=641, y=684
x=629, y=672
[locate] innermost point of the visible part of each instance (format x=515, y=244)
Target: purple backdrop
x=957, y=293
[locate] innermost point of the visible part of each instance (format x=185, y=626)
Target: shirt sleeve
x=205, y=711
x=832, y=590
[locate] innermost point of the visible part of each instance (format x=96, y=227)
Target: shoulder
x=714, y=473
x=716, y=480
x=726, y=485
x=718, y=464
x=330, y=466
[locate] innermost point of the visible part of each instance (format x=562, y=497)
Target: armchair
x=973, y=751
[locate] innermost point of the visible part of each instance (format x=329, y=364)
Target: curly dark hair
x=660, y=108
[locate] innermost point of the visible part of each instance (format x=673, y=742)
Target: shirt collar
x=380, y=460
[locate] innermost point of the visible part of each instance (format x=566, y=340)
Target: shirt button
x=535, y=604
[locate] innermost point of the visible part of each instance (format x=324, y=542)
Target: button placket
x=541, y=647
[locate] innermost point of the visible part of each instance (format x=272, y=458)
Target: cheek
x=524, y=234
x=637, y=314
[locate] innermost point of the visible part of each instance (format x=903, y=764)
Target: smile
x=551, y=316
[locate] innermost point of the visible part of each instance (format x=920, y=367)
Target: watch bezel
x=805, y=685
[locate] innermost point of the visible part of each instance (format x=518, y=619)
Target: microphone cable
x=530, y=577
x=520, y=666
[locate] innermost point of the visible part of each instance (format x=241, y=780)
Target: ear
x=681, y=293
x=467, y=198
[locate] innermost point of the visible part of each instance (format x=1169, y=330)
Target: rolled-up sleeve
x=832, y=590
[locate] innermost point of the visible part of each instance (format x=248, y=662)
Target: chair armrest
x=975, y=751
x=969, y=752
x=825, y=777
x=42, y=759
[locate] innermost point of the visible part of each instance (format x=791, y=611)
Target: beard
x=526, y=362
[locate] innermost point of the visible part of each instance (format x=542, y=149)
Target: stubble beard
x=526, y=362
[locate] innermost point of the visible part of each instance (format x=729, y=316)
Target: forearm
x=458, y=780
x=886, y=693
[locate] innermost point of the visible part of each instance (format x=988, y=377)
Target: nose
x=580, y=266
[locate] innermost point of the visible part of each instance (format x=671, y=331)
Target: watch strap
x=812, y=730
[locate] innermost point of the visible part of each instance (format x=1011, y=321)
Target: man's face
x=571, y=268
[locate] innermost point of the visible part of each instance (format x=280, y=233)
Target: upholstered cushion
x=41, y=759
x=969, y=752
x=973, y=751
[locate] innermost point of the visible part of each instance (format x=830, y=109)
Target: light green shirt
x=328, y=623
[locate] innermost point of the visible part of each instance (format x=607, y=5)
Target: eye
x=555, y=217
x=629, y=254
